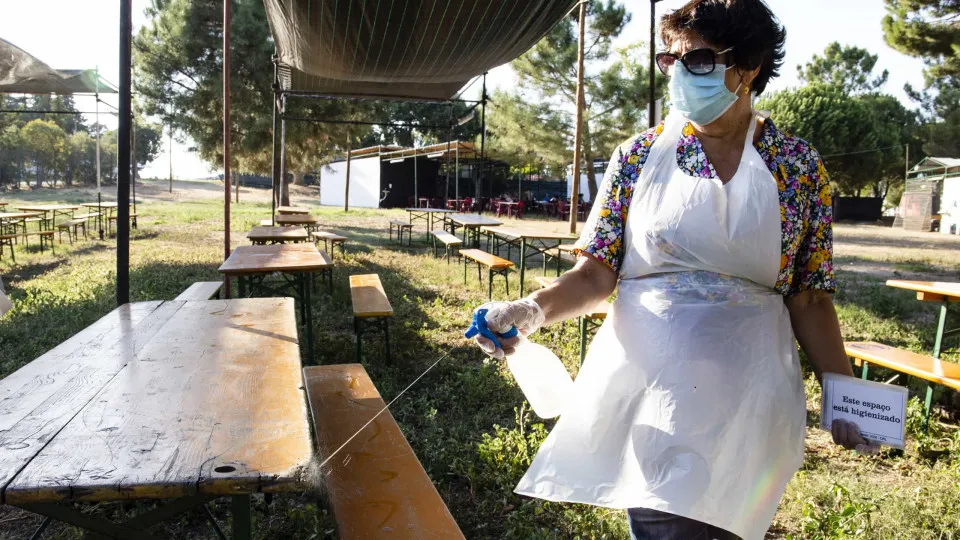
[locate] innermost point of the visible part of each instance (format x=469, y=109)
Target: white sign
x=879, y=410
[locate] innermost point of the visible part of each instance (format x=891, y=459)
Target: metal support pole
x=416, y=194
x=483, y=139
x=226, y=142
x=276, y=140
x=98, y=133
x=457, y=175
x=133, y=160
x=651, y=114
x=283, y=152
x=446, y=194
x=346, y=194
x=170, y=157
x=575, y=192
x=123, y=156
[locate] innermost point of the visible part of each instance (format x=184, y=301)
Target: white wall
x=584, y=189
x=950, y=206
x=364, y=183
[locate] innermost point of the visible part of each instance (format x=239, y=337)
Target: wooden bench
x=7, y=240
x=72, y=224
x=88, y=216
x=376, y=486
x=448, y=241
x=330, y=241
x=909, y=363
x=111, y=219
x=46, y=239
x=495, y=266
x=401, y=226
x=200, y=290
x=589, y=321
x=371, y=307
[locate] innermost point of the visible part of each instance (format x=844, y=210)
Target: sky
x=72, y=34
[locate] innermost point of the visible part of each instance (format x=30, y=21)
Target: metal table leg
x=523, y=262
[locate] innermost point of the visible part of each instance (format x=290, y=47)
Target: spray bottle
x=542, y=377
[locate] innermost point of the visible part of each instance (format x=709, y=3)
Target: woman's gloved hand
x=525, y=314
x=847, y=434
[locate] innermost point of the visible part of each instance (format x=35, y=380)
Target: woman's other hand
x=847, y=434
x=524, y=314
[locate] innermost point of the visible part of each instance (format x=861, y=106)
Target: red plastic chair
x=521, y=208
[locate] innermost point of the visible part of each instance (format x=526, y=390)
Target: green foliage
x=47, y=144
x=929, y=29
x=845, y=516
x=848, y=67
x=616, y=92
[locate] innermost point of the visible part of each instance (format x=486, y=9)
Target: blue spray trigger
x=479, y=326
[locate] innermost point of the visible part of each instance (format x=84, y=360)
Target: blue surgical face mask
x=700, y=98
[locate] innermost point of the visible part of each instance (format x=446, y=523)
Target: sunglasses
x=697, y=61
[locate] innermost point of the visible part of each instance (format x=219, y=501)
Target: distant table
x=934, y=291
x=292, y=210
x=305, y=220
x=13, y=219
x=471, y=224
x=510, y=207
x=423, y=202
x=428, y=215
x=528, y=241
x=278, y=235
x=101, y=207
x=189, y=401
x=3, y=205
x=62, y=210
x=297, y=264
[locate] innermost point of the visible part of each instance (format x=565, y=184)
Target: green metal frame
x=490, y=273
x=362, y=324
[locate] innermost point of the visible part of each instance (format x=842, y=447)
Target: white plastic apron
x=690, y=400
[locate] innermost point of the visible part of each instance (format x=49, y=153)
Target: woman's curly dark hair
x=756, y=35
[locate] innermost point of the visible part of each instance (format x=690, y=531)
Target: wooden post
x=575, y=192
x=346, y=194
x=226, y=140
x=906, y=164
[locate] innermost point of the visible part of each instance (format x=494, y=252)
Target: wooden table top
x=431, y=210
x=104, y=204
x=276, y=258
x=296, y=219
x=293, y=210
x=160, y=400
x=929, y=290
x=19, y=215
x=473, y=220
x=290, y=233
x=47, y=207
x=527, y=233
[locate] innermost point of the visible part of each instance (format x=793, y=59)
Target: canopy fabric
x=21, y=73
x=402, y=49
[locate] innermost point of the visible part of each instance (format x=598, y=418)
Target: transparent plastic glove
x=847, y=434
x=525, y=314
x=5, y=304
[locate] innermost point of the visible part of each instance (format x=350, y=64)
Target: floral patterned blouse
x=806, y=214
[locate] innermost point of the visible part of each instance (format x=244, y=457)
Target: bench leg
x=386, y=336
x=864, y=370
x=464, y=270
x=357, y=330
x=506, y=281
x=489, y=282
x=240, y=508
x=926, y=406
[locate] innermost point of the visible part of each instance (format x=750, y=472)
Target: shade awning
x=403, y=49
x=22, y=73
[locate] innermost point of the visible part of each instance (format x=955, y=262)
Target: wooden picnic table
x=62, y=210
x=307, y=221
x=428, y=215
x=277, y=235
x=292, y=210
x=471, y=224
x=529, y=243
x=507, y=207
x=296, y=263
x=188, y=401
x=13, y=219
x=934, y=291
x=103, y=206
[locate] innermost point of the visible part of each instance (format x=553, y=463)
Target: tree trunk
x=39, y=175
x=299, y=178
x=284, y=191
x=588, y=156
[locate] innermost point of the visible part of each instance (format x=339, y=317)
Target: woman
x=716, y=229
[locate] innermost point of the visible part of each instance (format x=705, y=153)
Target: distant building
x=932, y=191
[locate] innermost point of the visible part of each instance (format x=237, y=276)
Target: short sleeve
x=814, y=260
x=602, y=236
